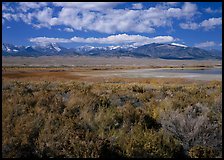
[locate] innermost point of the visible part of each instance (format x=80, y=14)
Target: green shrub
x=201, y=152
x=79, y=119
x=138, y=88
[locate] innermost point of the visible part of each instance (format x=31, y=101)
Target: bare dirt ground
x=99, y=69
x=93, y=75
x=91, y=107
x=102, y=61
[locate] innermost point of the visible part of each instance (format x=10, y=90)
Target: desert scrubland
x=81, y=111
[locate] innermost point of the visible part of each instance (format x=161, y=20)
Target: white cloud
x=211, y=23
x=205, y=44
x=113, y=39
x=7, y=8
x=4, y=8
x=25, y=6
x=110, y=22
x=10, y=16
x=209, y=10
x=189, y=9
x=172, y=3
x=8, y=27
x=27, y=18
x=122, y=20
x=137, y=6
x=166, y=5
x=102, y=17
x=192, y=26
x=88, y=5
x=45, y=17
x=49, y=40
x=68, y=30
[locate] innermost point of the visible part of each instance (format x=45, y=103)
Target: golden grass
x=88, y=74
x=51, y=113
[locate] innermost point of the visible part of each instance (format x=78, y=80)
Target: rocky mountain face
x=170, y=51
x=153, y=50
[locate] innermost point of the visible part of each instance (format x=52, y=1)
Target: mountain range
x=153, y=50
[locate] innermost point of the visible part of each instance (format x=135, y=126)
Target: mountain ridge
x=152, y=50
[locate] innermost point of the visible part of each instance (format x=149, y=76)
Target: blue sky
x=72, y=24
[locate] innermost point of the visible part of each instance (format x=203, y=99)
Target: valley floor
x=102, y=61
x=83, y=112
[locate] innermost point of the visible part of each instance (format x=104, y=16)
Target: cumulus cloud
x=192, y=26
x=208, y=24
x=27, y=18
x=211, y=23
x=25, y=6
x=10, y=16
x=123, y=20
x=113, y=39
x=45, y=17
x=7, y=8
x=172, y=3
x=137, y=6
x=125, y=39
x=4, y=8
x=68, y=30
x=88, y=5
x=209, y=10
x=189, y=9
x=205, y=44
x=102, y=16
x=49, y=40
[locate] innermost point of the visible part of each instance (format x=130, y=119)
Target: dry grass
x=46, y=113
x=87, y=74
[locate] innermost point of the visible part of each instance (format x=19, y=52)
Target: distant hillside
x=153, y=50
x=169, y=51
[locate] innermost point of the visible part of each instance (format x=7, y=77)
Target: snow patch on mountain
x=56, y=47
x=153, y=50
x=179, y=45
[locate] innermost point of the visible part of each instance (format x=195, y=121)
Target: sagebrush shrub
x=193, y=127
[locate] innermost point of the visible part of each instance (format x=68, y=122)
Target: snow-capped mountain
x=87, y=48
x=123, y=47
x=153, y=50
x=51, y=47
x=37, y=50
x=11, y=48
x=179, y=45
x=170, y=51
x=92, y=48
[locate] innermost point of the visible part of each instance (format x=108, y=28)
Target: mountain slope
x=51, y=49
x=169, y=51
x=153, y=50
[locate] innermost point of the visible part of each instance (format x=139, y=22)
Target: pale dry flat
x=100, y=69
x=101, y=61
x=96, y=75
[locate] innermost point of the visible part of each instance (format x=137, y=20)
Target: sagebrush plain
x=73, y=112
